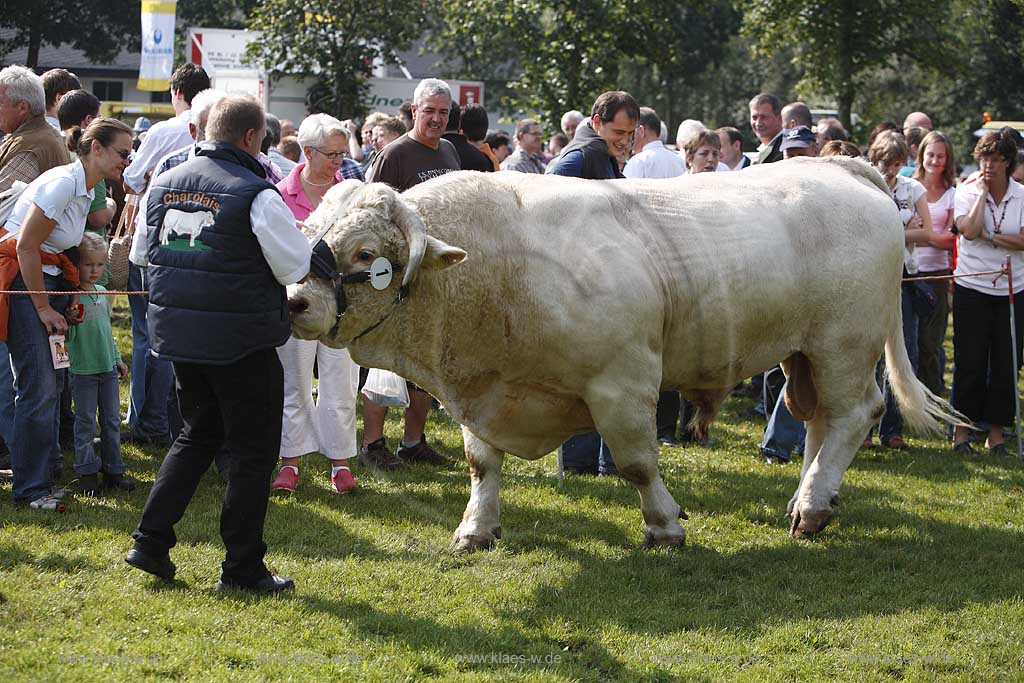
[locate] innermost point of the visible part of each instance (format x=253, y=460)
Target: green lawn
x=918, y=578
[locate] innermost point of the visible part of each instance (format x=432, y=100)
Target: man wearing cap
x=799, y=142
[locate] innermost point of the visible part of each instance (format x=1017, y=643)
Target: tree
x=839, y=42
x=337, y=41
x=556, y=55
x=99, y=28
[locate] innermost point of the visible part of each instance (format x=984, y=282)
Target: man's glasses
x=333, y=156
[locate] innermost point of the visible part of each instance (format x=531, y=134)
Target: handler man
x=222, y=245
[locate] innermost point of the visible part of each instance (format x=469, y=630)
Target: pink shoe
x=344, y=481
x=286, y=480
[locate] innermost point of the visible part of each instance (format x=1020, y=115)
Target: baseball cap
x=142, y=124
x=801, y=136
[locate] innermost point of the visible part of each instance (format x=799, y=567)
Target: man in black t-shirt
x=470, y=158
x=417, y=156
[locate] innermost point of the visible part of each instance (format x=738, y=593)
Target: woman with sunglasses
x=47, y=222
x=328, y=426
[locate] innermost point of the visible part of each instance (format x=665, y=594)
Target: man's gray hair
x=688, y=129
x=23, y=85
x=232, y=116
x=572, y=115
x=203, y=102
x=316, y=128
x=431, y=87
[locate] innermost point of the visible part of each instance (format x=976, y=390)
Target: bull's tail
x=923, y=412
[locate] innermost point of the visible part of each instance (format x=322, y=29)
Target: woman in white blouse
x=49, y=220
x=988, y=214
x=936, y=171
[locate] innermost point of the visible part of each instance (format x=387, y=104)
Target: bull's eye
x=364, y=256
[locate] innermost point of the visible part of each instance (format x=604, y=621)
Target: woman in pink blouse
x=329, y=425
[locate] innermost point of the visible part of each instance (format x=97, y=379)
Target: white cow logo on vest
x=183, y=223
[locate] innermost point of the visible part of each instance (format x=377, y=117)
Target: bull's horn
x=409, y=223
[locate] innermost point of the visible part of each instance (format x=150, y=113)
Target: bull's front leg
x=481, y=522
x=627, y=424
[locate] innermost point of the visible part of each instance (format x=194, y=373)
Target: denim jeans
x=92, y=392
x=784, y=433
x=891, y=424
x=34, y=445
x=588, y=453
x=6, y=395
x=152, y=378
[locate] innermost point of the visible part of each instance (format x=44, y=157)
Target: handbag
x=385, y=388
x=121, y=245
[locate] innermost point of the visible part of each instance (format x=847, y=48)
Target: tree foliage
x=557, y=55
x=334, y=41
x=838, y=43
x=99, y=28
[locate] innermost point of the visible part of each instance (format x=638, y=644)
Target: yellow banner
x=157, y=58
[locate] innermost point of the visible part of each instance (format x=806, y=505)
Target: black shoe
x=669, y=441
x=999, y=450
x=376, y=455
x=271, y=583
x=421, y=454
x=118, y=481
x=157, y=566
x=89, y=484
x=963, y=448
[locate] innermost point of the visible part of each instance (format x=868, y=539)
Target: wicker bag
x=121, y=245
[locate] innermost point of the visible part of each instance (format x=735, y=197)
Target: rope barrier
x=77, y=291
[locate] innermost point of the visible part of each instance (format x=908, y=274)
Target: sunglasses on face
x=124, y=153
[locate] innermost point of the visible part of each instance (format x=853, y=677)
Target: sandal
x=999, y=450
x=963, y=448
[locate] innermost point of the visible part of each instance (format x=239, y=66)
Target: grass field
x=918, y=577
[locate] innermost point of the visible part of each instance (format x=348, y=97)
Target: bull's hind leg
x=627, y=424
x=816, y=428
x=819, y=484
x=481, y=522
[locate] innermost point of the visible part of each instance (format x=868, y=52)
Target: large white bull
x=575, y=302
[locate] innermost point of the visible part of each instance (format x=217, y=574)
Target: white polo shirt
x=977, y=256
x=61, y=195
x=655, y=161
x=162, y=139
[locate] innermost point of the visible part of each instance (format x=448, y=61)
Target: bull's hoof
x=662, y=538
x=807, y=523
x=470, y=541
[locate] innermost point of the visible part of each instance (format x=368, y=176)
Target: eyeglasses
x=124, y=153
x=333, y=156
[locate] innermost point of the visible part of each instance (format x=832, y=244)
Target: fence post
x=1013, y=344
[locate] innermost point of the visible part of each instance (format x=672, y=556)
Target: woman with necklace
x=888, y=154
x=988, y=214
x=329, y=425
x=936, y=171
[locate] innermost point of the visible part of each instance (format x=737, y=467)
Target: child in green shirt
x=96, y=368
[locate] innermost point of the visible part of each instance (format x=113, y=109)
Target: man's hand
x=122, y=370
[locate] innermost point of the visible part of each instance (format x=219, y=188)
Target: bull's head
x=359, y=224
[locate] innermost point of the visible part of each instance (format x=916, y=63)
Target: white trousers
x=329, y=425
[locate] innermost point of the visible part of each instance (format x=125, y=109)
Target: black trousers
x=673, y=410
x=984, y=378
x=239, y=406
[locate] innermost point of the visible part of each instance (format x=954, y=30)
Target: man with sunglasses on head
x=417, y=156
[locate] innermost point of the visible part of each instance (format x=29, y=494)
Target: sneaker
x=286, y=480
x=377, y=456
x=119, y=482
x=89, y=484
x=271, y=583
x=48, y=503
x=343, y=481
x=421, y=453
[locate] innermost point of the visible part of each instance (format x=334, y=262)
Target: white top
x=55, y=123
x=655, y=161
x=905, y=193
x=162, y=139
x=139, y=254
x=61, y=195
x=976, y=256
x=930, y=259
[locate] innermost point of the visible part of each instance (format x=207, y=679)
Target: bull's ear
x=331, y=207
x=440, y=255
